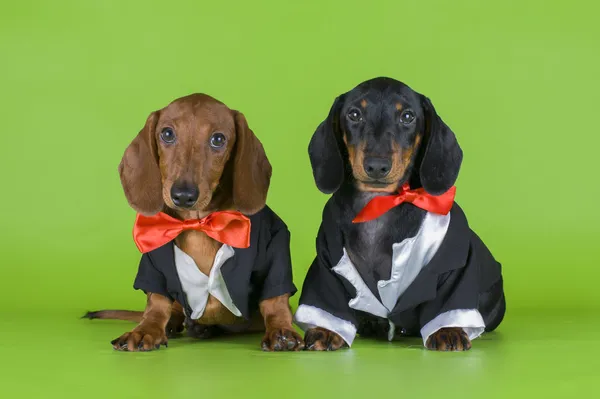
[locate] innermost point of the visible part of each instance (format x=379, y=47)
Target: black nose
x=184, y=194
x=377, y=167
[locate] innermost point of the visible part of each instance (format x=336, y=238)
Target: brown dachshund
x=192, y=158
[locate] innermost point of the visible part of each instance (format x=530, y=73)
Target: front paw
x=142, y=338
x=321, y=339
x=449, y=339
x=282, y=339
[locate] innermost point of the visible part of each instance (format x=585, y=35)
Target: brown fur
x=127, y=315
x=449, y=339
x=236, y=176
x=321, y=339
x=151, y=332
x=363, y=103
x=280, y=334
x=149, y=167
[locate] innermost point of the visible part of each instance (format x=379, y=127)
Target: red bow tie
x=227, y=227
x=440, y=204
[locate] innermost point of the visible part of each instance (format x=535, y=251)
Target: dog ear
x=139, y=171
x=442, y=155
x=324, y=151
x=251, y=169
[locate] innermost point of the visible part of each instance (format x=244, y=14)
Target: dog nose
x=184, y=195
x=377, y=167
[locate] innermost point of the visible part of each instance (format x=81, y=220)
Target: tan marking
x=363, y=103
x=398, y=106
x=401, y=160
x=355, y=156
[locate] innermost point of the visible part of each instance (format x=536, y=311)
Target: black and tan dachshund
x=395, y=254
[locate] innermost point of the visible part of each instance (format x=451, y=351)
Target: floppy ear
x=251, y=169
x=442, y=156
x=324, y=151
x=139, y=171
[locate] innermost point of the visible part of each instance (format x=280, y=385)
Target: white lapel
x=408, y=258
x=412, y=255
x=364, y=299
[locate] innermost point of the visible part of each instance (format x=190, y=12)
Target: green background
x=516, y=80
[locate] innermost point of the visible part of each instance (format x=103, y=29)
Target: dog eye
x=354, y=115
x=167, y=135
x=218, y=140
x=407, y=117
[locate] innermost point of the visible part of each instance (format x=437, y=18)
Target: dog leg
x=321, y=339
x=449, y=339
x=150, y=333
x=280, y=334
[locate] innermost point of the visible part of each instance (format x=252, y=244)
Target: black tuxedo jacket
x=261, y=271
x=462, y=274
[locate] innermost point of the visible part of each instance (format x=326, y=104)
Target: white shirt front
x=197, y=285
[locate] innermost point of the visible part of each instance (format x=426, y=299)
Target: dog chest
x=370, y=245
x=407, y=259
x=197, y=286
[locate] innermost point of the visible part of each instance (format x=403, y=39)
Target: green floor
x=531, y=355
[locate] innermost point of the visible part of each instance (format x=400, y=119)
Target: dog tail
x=109, y=314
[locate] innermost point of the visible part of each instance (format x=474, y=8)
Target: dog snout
x=377, y=167
x=184, y=194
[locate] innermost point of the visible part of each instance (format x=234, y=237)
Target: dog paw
x=449, y=339
x=142, y=338
x=321, y=339
x=282, y=339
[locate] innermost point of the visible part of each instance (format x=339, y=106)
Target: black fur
x=434, y=166
x=442, y=157
x=324, y=152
